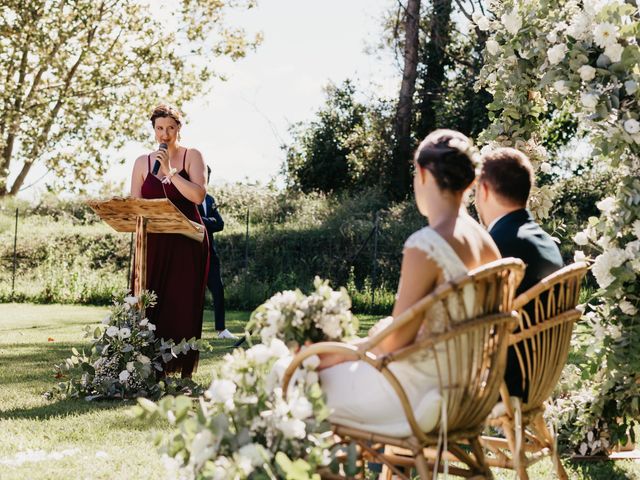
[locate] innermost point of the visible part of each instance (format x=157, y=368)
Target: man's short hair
x=508, y=172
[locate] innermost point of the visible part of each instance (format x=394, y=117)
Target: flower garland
x=125, y=359
x=582, y=57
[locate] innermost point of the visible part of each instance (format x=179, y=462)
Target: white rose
x=579, y=256
x=545, y=167
x=143, y=322
x=512, y=21
x=587, y=73
x=256, y=454
x=130, y=367
x=630, y=86
x=221, y=391
x=627, y=307
x=632, y=126
x=552, y=37
x=131, y=300
x=124, y=376
x=202, y=448
x=301, y=408
x=605, y=34
x=124, y=333
x=606, y=205
x=561, y=87
x=493, y=47
x=557, y=53
x=614, y=52
x=144, y=359
x=279, y=349
x=482, y=22
x=589, y=100
x=312, y=362
x=581, y=238
x=292, y=428
x=579, y=26
x=112, y=331
x=612, y=258
x=259, y=353
x=151, y=326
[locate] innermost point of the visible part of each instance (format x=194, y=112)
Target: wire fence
x=363, y=253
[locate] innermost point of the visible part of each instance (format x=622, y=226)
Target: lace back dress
x=359, y=396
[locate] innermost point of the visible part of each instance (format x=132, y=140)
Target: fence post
x=374, y=273
x=129, y=266
x=15, y=256
x=246, y=255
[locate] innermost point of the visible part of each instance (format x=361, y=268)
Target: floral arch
x=583, y=58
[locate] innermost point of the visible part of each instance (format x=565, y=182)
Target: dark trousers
x=214, y=283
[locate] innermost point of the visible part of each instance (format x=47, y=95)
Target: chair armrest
x=326, y=347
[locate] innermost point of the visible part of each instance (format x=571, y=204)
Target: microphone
x=156, y=166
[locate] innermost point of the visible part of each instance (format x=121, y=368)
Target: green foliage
x=346, y=148
x=79, y=78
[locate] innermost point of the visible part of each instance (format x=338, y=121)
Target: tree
x=317, y=160
x=433, y=65
x=404, y=112
x=79, y=76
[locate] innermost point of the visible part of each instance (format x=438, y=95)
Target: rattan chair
x=547, y=313
x=475, y=340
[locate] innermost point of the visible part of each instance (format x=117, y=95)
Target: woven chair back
x=467, y=343
x=547, y=315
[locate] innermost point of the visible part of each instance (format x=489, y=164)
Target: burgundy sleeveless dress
x=177, y=269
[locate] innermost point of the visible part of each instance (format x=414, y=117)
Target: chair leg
x=518, y=458
x=541, y=429
x=480, y=459
x=422, y=466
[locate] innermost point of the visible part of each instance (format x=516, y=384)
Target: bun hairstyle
x=165, y=110
x=450, y=157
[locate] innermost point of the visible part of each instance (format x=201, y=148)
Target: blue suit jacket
x=518, y=235
x=212, y=219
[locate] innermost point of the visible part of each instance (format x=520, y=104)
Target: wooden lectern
x=144, y=216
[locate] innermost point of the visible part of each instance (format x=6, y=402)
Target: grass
x=99, y=440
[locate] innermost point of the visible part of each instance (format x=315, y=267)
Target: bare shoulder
x=141, y=163
x=193, y=154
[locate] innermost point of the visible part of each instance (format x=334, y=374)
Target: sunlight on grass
x=63, y=439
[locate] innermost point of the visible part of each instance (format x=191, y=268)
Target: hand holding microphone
x=162, y=153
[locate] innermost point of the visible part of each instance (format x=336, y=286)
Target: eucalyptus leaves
x=126, y=359
x=582, y=57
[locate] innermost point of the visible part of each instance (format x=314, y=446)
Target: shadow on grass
x=63, y=408
x=604, y=469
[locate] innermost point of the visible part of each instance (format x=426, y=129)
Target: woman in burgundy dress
x=176, y=265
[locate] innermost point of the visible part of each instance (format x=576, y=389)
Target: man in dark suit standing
x=502, y=193
x=214, y=223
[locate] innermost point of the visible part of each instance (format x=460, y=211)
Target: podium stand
x=144, y=216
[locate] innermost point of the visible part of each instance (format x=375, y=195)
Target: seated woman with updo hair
x=452, y=244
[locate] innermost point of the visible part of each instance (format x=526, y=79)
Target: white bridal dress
x=359, y=396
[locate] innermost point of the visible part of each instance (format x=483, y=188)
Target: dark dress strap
x=149, y=162
x=184, y=159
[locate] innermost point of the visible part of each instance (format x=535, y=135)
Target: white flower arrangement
x=581, y=58
x=125, y=359
x=296, y=318
x=243, y=427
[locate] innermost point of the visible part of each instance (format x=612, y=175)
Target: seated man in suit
x=501, y=198
x=214, y=223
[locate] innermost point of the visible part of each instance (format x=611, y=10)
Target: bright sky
x=240, y=126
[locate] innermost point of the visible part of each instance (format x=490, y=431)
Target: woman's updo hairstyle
x=450, y=157
x=165, y=110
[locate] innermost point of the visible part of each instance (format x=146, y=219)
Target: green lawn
x=66, y=439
